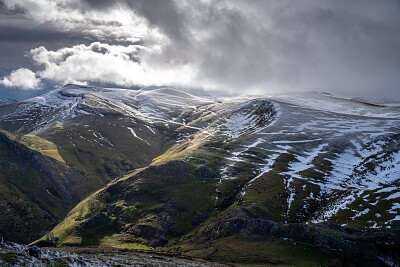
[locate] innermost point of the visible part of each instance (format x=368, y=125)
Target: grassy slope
x=30, y=199
x=125, y=208
x=98, y=160
x=108, y=217
x=257, y=251
x=192, y=189
x=37, y=143
x=114, y=152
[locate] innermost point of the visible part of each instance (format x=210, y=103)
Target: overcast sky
x=348, y=48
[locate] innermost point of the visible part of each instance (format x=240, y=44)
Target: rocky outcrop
x=350, y=245
x=34, y=251
x=13, y=254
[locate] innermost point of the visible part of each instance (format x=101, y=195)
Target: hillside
x=286, y=180
x=36, y=191
x=5, y=101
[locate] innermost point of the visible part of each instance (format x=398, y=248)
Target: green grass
x=118, y=241
x=67, y=229
x=42, y=145
x=98, y=159
x=9, y=257
x=369, y=218
x=269, y=193
x=37, y=143
x=192, y=195
x=253, y=251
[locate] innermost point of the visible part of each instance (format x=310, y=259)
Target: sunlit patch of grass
x=117, y=241
x=37, y=143
x=253, y=251
x=66, y=230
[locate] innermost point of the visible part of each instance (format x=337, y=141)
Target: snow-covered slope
x=329, y=103
x=336, y=160
x=158, y=106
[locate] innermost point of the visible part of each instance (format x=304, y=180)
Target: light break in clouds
x=346, y=47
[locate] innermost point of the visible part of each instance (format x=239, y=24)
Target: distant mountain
x=379, y=103
x=295, y=179
x=5, y=101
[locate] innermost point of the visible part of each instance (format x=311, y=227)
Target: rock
x=205, y=173
x=158, y=242
x=174, y=168
x=335, y=263
x=34, y=251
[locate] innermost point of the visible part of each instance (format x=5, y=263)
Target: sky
x=344, y=47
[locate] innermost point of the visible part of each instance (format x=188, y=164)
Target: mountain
x=36, y=190
x=6, y=101
x=379, y=103
x=296, y=179
x=88, y=130
x=103, y=124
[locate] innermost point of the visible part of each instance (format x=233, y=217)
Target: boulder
x=34, y=251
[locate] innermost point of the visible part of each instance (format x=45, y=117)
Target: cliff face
x=36, y=191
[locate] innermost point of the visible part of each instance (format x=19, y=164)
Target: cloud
x=104, y=63
x=22, y=78
x=118, y=23
x=345, y=47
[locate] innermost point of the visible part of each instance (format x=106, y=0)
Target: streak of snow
x=238, y=123
x=333, y=209
x=135, y=135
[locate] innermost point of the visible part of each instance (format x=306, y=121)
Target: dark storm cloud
x=4, y=11
x=37, y=33
x=97, y=4
x=163, y=14
x=346, y=47
x=17, y=40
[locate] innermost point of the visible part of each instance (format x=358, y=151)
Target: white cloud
x=22, y=78
x=104, y=63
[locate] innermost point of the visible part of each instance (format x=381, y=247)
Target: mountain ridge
x=195, y=166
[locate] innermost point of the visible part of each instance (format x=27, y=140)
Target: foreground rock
x=12, y=254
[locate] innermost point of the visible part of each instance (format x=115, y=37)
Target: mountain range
x=299, y=179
